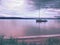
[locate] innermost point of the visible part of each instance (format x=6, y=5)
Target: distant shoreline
x=24, y=18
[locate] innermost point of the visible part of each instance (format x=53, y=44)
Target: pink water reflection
x=19, y=28
x=15, y=28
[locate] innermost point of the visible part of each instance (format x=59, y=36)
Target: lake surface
x=20, y=27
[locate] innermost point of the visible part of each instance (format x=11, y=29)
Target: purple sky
x=24, y=8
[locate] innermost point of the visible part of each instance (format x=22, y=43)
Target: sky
x=29, y=8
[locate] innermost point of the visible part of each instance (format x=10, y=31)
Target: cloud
x=29, y=8
x=17, y=8
x=46, y=3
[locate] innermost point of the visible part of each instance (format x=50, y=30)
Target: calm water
x=17, y=28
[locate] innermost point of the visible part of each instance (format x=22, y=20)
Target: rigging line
x=39, y=18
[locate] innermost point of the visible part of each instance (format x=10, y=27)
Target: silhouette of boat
x=41, y=20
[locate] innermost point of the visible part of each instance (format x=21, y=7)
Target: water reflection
x=17, y=28
x=51, y=27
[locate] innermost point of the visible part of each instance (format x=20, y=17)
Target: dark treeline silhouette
x=13, y=41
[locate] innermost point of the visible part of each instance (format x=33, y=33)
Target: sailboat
x=41, y=20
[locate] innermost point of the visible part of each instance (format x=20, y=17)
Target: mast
x=39, y=11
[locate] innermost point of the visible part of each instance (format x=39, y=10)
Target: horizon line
x=27, y=18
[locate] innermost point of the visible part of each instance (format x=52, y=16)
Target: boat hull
x=41, y=20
